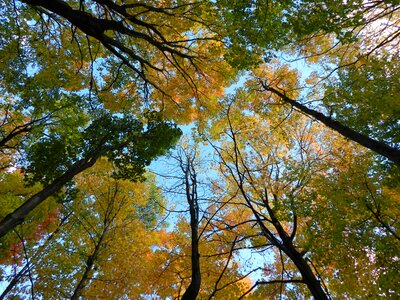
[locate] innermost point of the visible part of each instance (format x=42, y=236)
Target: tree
x=52, y=127
x=393, y=154
x=99, y=242
x=281, y=166
x=123, y=140
x=186, y=163
x=291, y=24
x=291, y=204
x=202, y=257
x=346, y=45
x=264, y=188
x=168, y=56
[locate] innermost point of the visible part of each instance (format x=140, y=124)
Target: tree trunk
x=17, y=216
x=381, y=148
x=193, y=289
x=191, y=195
x=286, y=245
x=313, y=284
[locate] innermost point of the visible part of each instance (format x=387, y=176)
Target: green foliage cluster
x=123, y=139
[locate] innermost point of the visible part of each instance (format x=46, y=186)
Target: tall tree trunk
x=191, y=195
x=313, y=284
x=193, y=289
x=18, y=215
x=381, y=148
x=286, y=245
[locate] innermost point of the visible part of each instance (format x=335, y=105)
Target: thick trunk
x=286, y=245
x=381, y=148
x=84, y=21
x=17, y=216
x=309, y=278
x=193, y=290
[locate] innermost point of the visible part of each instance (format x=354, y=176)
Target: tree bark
x=286, y=245
x=308, y=276
x=381, y=148
x=87, y=23
x=193, y=289
x=191, y=195
x=17, y=216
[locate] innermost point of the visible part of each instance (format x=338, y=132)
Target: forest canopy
x=198, y=150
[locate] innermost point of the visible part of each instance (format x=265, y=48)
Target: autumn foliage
x=199, y=150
